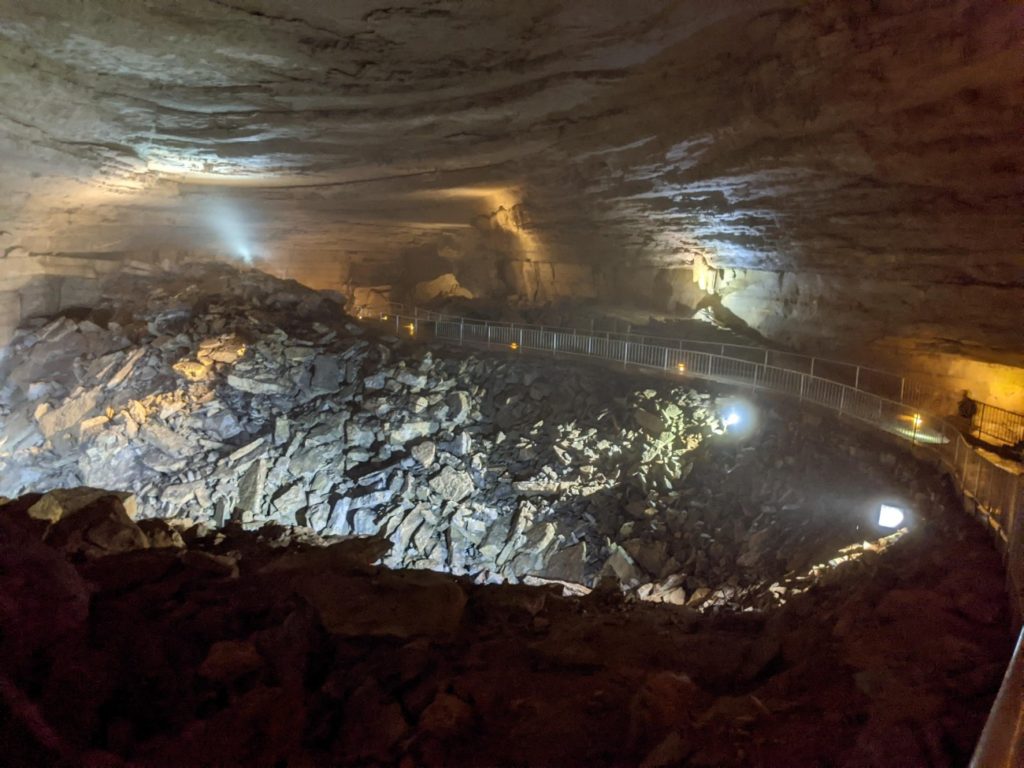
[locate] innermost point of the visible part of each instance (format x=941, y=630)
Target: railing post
x=903, y=384
x=520, y=337
x=487, y=327
x=462, y=327
x=625, y=353
x=590, y=345
x=803, y=379
x=856, y=379
x=666, y=359
x=398, y=321
x=812, y=366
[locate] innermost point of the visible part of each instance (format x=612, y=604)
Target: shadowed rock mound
x=152, y=644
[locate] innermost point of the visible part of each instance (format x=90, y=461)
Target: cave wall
x=40, y=286
x=881, y=308
x=866, y=151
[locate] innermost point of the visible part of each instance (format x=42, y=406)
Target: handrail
x=995, y=493
x=892, y=386
x=998, y=424
x=399, y=308
x=1002, y=740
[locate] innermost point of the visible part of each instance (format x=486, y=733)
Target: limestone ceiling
x=874, y=139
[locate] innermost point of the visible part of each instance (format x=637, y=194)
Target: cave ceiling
x=867, y=141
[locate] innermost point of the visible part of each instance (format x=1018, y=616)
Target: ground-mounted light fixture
x=890, y=516
x=681, y=367
x=738, y=417
x=514, y=346
x=411, y=328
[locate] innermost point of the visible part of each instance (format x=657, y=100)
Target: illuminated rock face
x=858, y=160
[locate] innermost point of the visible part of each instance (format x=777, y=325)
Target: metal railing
x=993, y=493
x=990, y=423
x=997, y=425
x=887, y=384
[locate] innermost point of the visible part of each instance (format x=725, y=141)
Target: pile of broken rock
x=217, y=396
x=231, y=396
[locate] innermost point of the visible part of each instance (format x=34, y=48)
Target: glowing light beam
x=890, y=516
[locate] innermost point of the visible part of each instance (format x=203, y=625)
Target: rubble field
x=322, y=544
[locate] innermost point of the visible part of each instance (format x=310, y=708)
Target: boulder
x=255, y=386
x=229, y=660
x=289, y=503
x=620, y=565
x=100, y=528
x=396, y=604
x=424, y=453
x=160, y=534
x=69, y=414
x=567, y=564
x=63, y=502
x=459, y=407
x=411, y=430
x=649, y=422
x=327, y=373
x=452, y=484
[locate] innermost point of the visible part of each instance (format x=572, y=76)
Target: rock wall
x=870, y=149
x=877, y=311
x=39, y=286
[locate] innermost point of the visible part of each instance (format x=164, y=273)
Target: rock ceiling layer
x=862, y=143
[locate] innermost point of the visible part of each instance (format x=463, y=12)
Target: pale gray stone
x=256, y=386
x=411, y=430
x=68, y=415
x=424, y=453
x=452, y=484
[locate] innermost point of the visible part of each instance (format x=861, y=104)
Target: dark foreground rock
x=160, y=644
